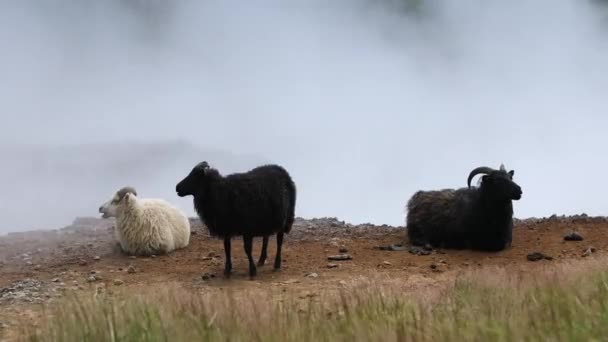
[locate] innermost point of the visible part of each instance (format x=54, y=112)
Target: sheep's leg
x=228, y=262
x=277, y=259
x=248, y=241
x=264, y=254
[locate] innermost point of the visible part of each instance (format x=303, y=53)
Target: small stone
x=207, y=276
x=343, y=250
x=419, y=251
x=55, y=280
x=133, y=257
x=339, y=257
x=589, y=251
x=118, y=282
x=386, y=263
x=206, y=258
x=153, y=256
x=131, y=269
x=312, y=275
x=536, y=256
x=29, y=263
x=82, y=262
x=97, y=258
x=37, y=267
x=573, y=237
x=91, y=279
x=331, y=265
x=342, y=282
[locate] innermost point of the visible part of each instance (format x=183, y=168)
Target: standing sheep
x=476, y=218
x=146, y=226
x=260, y=202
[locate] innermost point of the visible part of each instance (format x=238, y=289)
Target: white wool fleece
x=150, y=226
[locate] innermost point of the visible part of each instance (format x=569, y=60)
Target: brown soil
x=64, y=259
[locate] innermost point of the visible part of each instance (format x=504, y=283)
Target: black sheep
x=260, y=202
x=475, y=218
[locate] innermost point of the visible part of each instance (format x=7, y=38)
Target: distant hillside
x=46, y=186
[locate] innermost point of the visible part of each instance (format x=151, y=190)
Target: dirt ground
x=39, y=267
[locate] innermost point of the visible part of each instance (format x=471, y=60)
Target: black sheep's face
x=193, y=182
x=502, y=185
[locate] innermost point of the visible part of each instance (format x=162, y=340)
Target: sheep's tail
x=291, y=209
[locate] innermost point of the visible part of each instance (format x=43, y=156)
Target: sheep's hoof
x=277, y=269
x=261, y=262
x=227, y=273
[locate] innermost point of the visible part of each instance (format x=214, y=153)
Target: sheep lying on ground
x=475, y=218
x=260, y=202
x=146, y=226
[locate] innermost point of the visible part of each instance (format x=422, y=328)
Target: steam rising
x=363, y=101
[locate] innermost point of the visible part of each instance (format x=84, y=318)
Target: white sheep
x=146, y=226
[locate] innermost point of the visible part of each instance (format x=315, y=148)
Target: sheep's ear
x=511, y=173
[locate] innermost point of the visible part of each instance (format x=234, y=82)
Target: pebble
x=339, y=257
x=91, y=279
x=207, y=276
x=573, y=237
x=131, y=269
x=331, y=265
x=312, y=275
x=55, y=280
x=589, y=251
x=343, y=250
x=96, y=258
x=536, y=256
x=386, y=263
x=118, y=282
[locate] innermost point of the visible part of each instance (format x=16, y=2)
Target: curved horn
x=476, y=171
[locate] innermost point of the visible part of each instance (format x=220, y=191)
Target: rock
x=37, y=267
x=589, y=251
x=82, y=262
x=419, y=250
x=118, y=282
x=97, y=258
x=92, y=279
x=573, y=237
x=394, y=247
x=331, y=265
x=206, y=258
x=153, y=256
x=386, y=263
x=343, y=250
x=312, y=275
x=207, y=276
x=55, y=280
x=342, y=282
x=131, y=269
x=536, y=256
x=339, y=257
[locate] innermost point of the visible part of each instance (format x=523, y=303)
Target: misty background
x=363, y=101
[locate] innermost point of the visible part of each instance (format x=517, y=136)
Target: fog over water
x=363, y=101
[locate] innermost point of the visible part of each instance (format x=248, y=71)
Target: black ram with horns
x=478, y=218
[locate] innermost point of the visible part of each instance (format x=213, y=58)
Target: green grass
x=567, y=304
